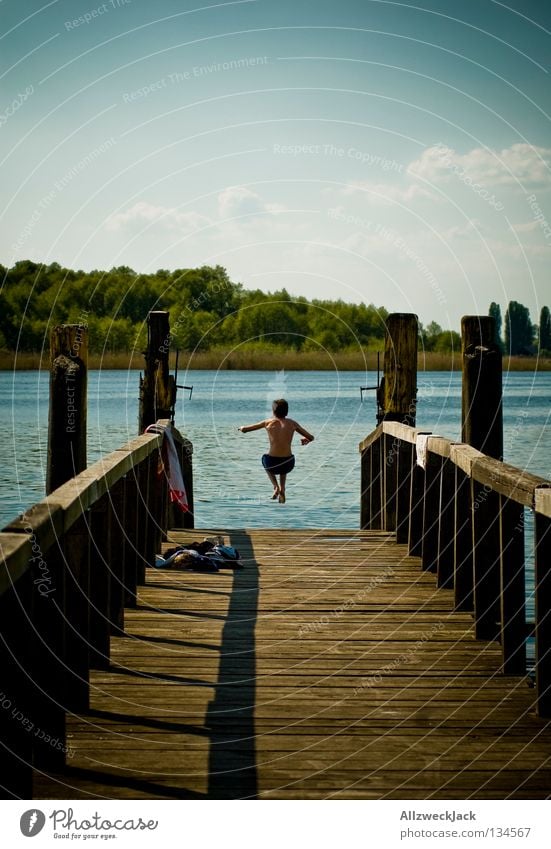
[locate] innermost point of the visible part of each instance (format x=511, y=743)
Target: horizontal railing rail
x=463, y=514
x=69, y=566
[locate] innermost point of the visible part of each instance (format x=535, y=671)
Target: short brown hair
x=280, y=408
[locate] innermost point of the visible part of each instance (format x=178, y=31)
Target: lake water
x=231, y=487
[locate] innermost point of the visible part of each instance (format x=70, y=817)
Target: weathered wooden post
x=481, y=410
x=68, y=403
x=397, y=401
x=157, y=400
x=463, y=458
x=482, y=428
x=371, y=515
x=157, y=386
x=398, y=392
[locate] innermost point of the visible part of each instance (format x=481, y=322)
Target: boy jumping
x=279, y=460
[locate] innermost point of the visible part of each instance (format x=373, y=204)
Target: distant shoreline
x=243, y=360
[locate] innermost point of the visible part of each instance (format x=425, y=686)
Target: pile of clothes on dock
x=210, y=555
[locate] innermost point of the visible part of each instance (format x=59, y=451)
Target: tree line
x=520, y=336
x=207, y=310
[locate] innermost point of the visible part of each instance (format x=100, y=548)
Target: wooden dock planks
x=329, y=667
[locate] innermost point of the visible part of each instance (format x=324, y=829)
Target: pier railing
x=463, y=514
x=70, y=565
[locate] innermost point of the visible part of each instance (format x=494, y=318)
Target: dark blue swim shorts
x=278, y=465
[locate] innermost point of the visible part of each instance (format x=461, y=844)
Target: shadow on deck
x=330, y=666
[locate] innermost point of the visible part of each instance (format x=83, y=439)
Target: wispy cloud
x=236, y=201
x=383, y=193
x=233, y=202
x=520, y=164
x=143, y=213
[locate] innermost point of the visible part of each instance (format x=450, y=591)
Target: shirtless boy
x=279, y=460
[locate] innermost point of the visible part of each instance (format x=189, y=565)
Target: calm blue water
x=231, y=487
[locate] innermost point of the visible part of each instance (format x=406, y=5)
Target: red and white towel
x=176, y=488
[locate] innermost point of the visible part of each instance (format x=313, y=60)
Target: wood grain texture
x=399, y=387
x=329, y=667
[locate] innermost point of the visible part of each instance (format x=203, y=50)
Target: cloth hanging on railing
x=421, y=448
x=176, y=487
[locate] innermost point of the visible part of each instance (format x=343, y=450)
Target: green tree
x=429, y=335
x=519, y=330
x=495, y=312
x=448, y=340
x=327, y=340
x=545, y=330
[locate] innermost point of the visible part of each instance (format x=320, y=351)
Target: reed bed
x=272, y=359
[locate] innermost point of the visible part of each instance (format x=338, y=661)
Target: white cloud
x=381, y=193
x=520, y=164
x=146, y=213
x=236, y=201
x=473, y=229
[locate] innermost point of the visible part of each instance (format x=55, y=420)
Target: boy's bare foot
x=282, y=498
x=275, y=495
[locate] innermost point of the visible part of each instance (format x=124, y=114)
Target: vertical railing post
x=42, y=632
x=513, y=588
x=371, y=495
x=431, y=511
x=543, y=599
x=116, y=533
x=365, y=484
x=390, y=480
x=405, y=463
x=153, y=491
x=486, y=560
x=445, y=571
x=463, y=456
x=376, y=485
x=463, y=542
x=132, y=546
x=100, y=584
x=76, y=564
x=416, y=510
x=48, y=664
x=141, y=506
x=159, y=502
x=17, y=642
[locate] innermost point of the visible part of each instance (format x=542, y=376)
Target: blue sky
x=388, y=152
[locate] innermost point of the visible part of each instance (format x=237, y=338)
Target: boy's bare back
x=280, y=434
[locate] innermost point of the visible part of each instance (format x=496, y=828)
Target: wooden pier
x=329, y=667
x=388, y=661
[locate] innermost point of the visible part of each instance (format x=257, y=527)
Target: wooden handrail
x=508, y=480
x=69, y=567
x=371, y=438
x=462, y=513
x=59, y=511
x=542, y=500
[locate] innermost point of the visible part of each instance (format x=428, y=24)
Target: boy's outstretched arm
x=247, y=428
x=307, y=437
